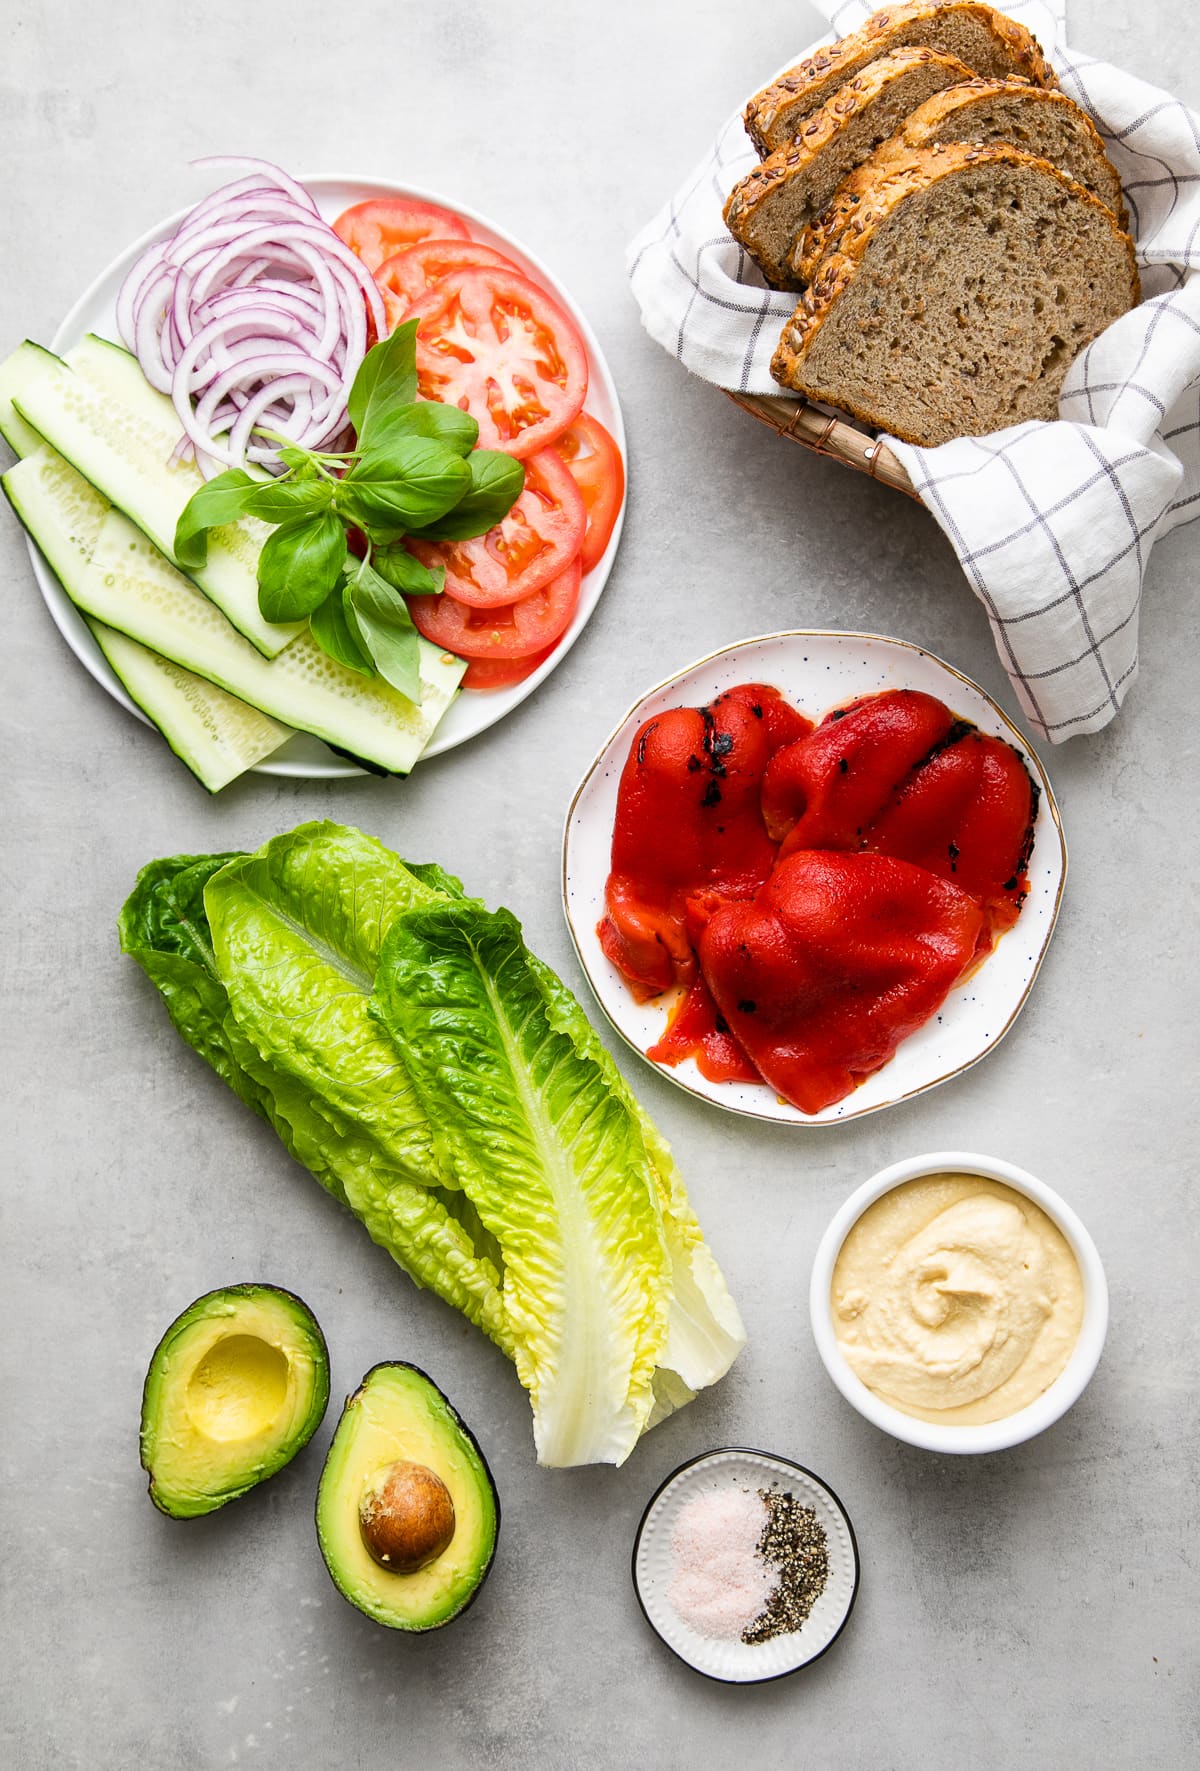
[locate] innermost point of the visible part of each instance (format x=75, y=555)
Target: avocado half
x=237, y=1386
x=407, y=1511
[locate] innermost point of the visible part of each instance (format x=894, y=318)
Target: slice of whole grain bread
x=954, y=302
x=1046, y=124
x=987, y=41
x=770, y=208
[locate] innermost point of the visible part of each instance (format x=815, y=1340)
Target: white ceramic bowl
x=816, y=671
x=1014, y=1428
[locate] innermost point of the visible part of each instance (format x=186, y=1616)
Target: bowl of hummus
x=958, y=1303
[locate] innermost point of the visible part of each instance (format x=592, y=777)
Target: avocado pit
x=406, y=1517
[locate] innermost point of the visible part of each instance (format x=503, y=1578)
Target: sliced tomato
x=599, y=472
x=382, y=226
x=494, y=343
x=406, y=275
x=537, y=540
x=515, y=631
x=502, y=673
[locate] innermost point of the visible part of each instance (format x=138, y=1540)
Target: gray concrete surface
x=1037, y=1608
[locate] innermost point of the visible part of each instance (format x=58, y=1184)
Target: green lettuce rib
x=705, y=1332
x=554, y=1163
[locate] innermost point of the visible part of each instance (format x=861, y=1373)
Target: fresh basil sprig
x=415, y=472
x=379, y=620
x=496, y=484
x=300, y=563
x=407, y=484
x=330, y=627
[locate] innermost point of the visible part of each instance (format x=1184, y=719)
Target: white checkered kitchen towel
x=1053, y=523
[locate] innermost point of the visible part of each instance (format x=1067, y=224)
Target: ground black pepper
x=794, y=1541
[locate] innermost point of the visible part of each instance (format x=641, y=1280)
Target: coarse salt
x=720, y=1582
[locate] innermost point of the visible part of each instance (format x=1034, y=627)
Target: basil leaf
x=497, y=481
x=387, y=377
x=428, y=418
x=351, y=619
x=385, y=626
x=220, y=501
x=404, y=572
x=299, y=565
x=411, y=483
x=275, y=501
x=292, y=455
x=332, y=632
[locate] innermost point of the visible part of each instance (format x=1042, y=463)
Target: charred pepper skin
x=820, y=793
x=836, y=960
x=966, y=814
x=689, y=820
x=698, y=1030
x=898, y=774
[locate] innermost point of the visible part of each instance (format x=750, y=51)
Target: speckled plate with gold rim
x=819, y=670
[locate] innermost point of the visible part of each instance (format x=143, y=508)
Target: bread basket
x=826, y=434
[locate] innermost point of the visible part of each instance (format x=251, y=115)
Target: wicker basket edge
x=826, y=435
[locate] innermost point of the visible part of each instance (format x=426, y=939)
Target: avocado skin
x=468, y=1437
x=248, y=1291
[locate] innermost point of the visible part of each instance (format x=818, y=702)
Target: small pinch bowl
x=1013, y=1429
x=734, y=1662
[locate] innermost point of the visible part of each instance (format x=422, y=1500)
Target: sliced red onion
x=264, y=174
x=253, y=316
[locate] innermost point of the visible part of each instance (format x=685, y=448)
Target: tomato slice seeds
x=407, y=275
x=537, y=540
x=494, y=343
x=380, y=227
x=516, y=630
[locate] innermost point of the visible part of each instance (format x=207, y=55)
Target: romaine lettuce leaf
x=554, y=1163
x=164, y=926
x=296, y=930
x=705, y=1332
x=418, y=1226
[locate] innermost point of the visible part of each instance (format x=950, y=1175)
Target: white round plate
x=472, y=712
x=817, y=671
x=736, y=1662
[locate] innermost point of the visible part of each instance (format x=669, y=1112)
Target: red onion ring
x=253, y=317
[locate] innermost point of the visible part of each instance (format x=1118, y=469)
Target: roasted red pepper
x=822, y=792
x=689, y=820
x=835, y=961
x=698, y=1031
x=816, y=933
x=967, y=815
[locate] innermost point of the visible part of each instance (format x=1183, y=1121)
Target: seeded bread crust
x=957, y=115
x=904, y=177
x=774, y=115
x=768, y=209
